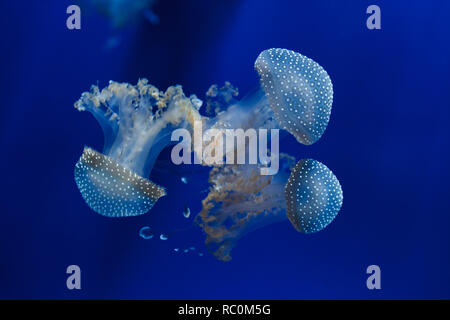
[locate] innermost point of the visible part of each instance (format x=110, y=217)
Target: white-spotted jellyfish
x=137, y=123
x=295, y=95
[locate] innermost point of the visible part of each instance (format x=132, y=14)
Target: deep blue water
x=387, y=142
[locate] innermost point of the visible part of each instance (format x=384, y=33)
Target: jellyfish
x=295, y=94
x=241, y=201
x=137, y=123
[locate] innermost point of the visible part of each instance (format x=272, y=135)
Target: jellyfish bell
x=313, y=196
x=299, y=91
x=111, y=189
x=137, y=123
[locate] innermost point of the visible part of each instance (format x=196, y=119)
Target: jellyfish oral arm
x=137, y=149
x=107, y=118
x=253, y=111
x=137, y=121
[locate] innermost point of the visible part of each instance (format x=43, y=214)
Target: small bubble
x=186, y=212
x=163, y=236
x=145, y=233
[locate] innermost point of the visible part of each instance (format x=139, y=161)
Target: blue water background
x=387, y=142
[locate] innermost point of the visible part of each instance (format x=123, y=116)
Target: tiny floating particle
x=186, y=250
x=184, y=180
x=200, y=254
x=145, y=233
x=186, y=212
x=192, y=248
x=163, y=236
x=176, y=249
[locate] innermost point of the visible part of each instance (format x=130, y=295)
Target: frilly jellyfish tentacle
x=253, y=111
x=313, y=196
x=218, y=99
x=102, y=112
x=137, y=122
x=241, y=200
